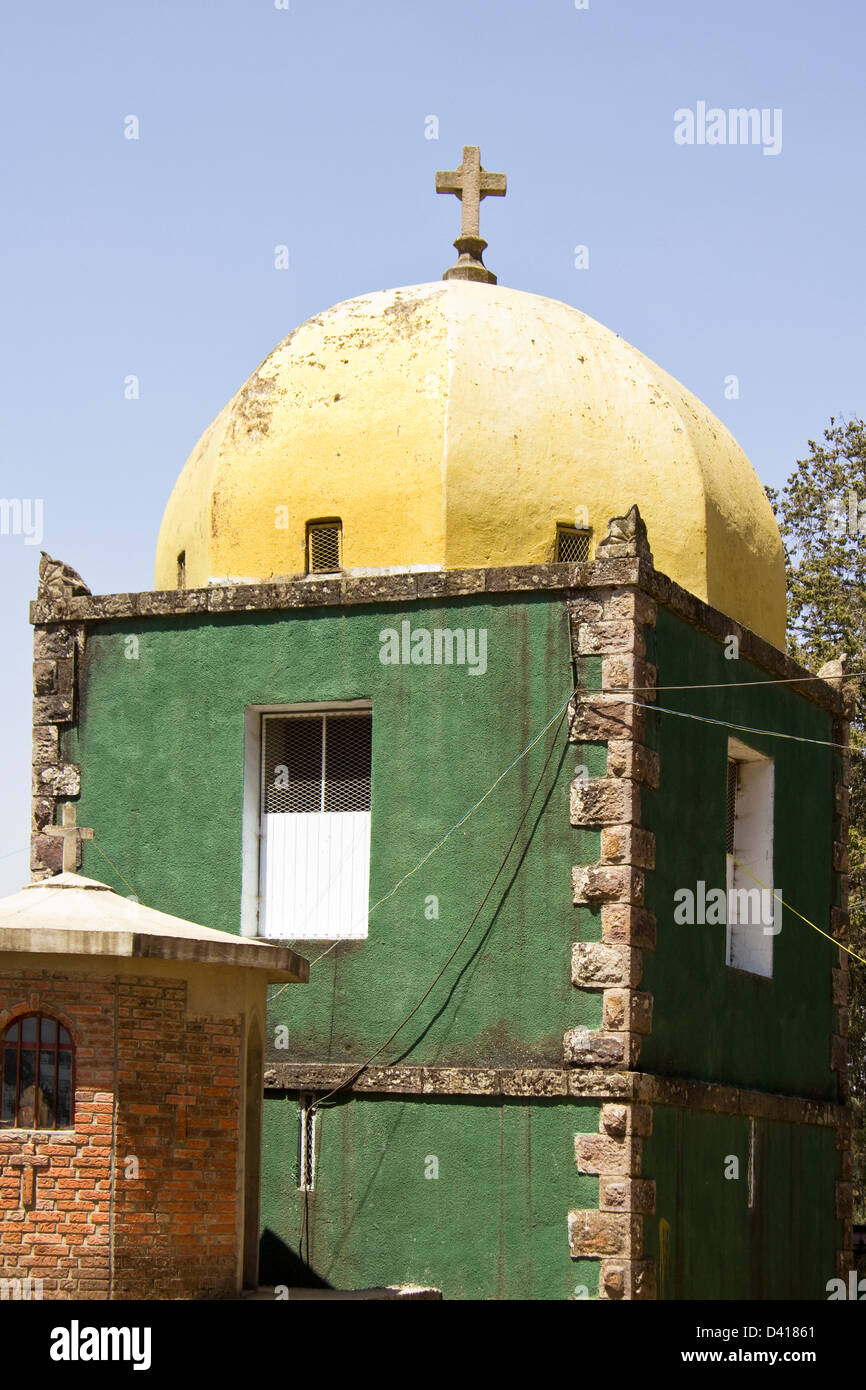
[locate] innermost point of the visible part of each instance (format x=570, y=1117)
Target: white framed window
x=753, y=911
x=307, y=821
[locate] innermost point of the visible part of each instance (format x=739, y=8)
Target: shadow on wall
x=279, y=1264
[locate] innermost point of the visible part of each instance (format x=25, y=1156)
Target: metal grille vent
x=572, y=545
x=731, y=810
x=317, y=762
x=323, y=547
x=306, y=1142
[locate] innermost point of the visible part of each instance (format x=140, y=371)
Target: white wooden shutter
x=315, y=833
x=752, y=911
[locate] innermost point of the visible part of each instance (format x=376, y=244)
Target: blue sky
x=305, y=127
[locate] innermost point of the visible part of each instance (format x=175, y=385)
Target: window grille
x=306, y=1143
x=731, y=813
x=318, y=762
x=572, y=545
x=37, y=1074
x=324, y=546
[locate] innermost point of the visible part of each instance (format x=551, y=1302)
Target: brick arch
x=8, y=1016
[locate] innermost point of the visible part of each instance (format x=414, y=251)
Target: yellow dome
x=455, y=425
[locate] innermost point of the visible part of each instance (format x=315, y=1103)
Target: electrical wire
x=350, y=1080
x=462, y=821
x=737, y=685
x=749, y=729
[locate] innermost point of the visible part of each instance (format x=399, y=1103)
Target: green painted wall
x=161, y=744
x=491, y=1226
x=163, y=786
x=160, y=740
x=711, y=1022
x=707, y=1240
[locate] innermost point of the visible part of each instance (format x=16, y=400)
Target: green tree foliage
x=821, y=513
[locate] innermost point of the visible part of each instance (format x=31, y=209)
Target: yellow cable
x=116, y=870
x=795, y=912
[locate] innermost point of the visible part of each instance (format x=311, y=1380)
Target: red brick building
x=131, y=1047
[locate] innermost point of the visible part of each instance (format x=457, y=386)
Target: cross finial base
x=470, y=265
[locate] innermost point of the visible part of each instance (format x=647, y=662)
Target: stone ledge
x=588, y=1083
x=735, y=1100
x=301, y=592
x=473, y=1081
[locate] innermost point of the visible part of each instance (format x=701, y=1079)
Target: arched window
x=37, y=1074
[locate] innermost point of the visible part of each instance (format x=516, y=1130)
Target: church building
x=463, y=676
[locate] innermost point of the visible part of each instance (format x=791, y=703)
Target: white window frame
x=252, y=820
x=749, y=946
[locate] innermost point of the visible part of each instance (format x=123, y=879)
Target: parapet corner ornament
x=59, y=581
x=626, y=536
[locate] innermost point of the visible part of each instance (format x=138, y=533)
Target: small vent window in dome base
x=324, y=547
x=572, y=545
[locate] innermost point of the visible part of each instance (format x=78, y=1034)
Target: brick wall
x=169, y=1226
x=176, y=1225
x=55, y=1188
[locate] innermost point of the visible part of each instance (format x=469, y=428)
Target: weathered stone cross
x=470, y=183
x=72, y=834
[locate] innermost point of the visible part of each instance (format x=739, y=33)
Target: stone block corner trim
x=609, y=624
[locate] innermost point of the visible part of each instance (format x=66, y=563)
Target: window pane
x=48, y=1030
x=46, y=1093
x=348, y=744
x=12, y=1033
x=292, y=765
x=65, y=1040
x=28, y=1030
x=27, y=1089
x=64, y=1097
x=7, y=1105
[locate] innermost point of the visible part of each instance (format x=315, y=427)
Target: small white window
x=312, y=788
x=753, y=912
